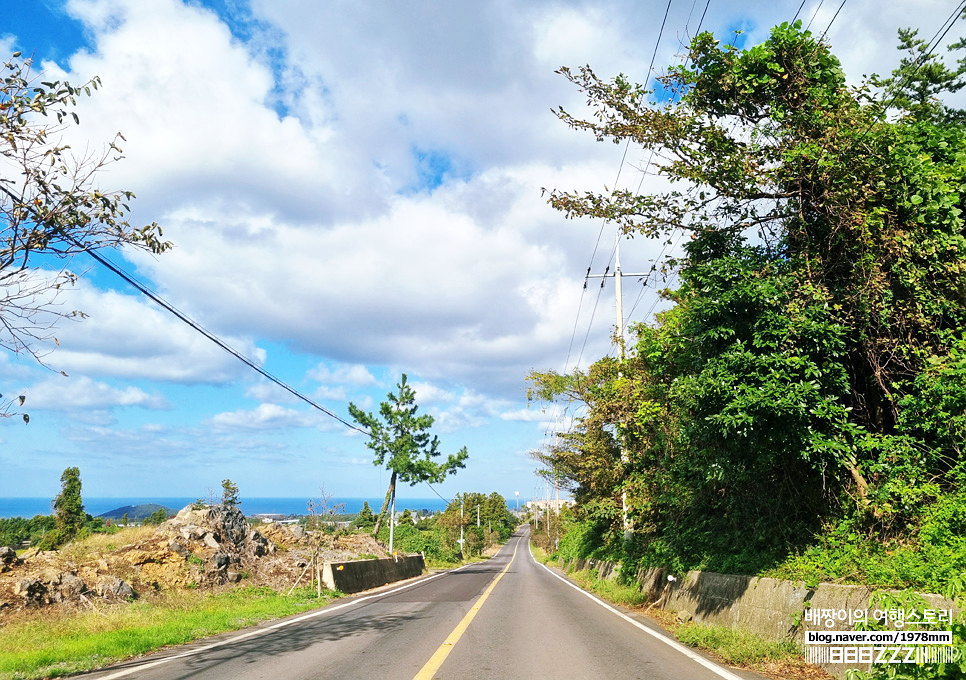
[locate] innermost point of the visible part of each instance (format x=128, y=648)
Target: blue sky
x=354, y=192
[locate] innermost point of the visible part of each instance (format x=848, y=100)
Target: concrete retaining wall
x=353, y=577
x=766, y=606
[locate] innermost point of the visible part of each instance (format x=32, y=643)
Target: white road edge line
x=276, y=626
x=710, y=665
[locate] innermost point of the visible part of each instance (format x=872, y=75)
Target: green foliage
x=69, y=515
x=229, y=494
x=927, y=555
x=366, y=519
x=810, y=378
x=914, y=86
x=16, y=530
x=477, y=515
x=907, y=601
x=70, y=644
x=737, y=647
x=595, y=531
x=401, y=441
x=159, y=516
x=435, y=542
x=629, y=595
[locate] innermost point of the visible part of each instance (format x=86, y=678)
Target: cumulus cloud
x=526, y=415
x=124, y=335
x=82, y=393
x=271, y=417
x=355, y=375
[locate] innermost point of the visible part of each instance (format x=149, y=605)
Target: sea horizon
x=28, y=507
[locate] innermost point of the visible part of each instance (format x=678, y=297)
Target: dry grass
x=97, y=546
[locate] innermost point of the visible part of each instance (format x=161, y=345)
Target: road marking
x=261, y=631
x=711, y=666
x=437, y=659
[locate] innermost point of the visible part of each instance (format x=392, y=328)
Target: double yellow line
x=437, y=659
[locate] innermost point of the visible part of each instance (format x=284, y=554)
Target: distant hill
x=136, y=513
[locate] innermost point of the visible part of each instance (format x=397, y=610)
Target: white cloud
x=330, y=393
x=428, y=394
x=271, y=417
x=82, y=394
x=267, y=391
x=355, y=375
x=526, y=415
x=126, y=336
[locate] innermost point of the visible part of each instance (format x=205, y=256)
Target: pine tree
x=402, y=442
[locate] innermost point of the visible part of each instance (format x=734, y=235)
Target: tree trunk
x=860, y=482
x=385, y=504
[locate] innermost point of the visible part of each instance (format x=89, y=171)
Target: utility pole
x=620, y=342
x=392, y=519
x=548, y=509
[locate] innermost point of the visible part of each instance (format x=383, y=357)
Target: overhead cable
x=157, y=299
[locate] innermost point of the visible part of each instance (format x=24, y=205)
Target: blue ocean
x=28, y=507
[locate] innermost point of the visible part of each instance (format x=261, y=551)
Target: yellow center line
x=437, y=659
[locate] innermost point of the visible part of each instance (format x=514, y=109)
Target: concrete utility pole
x=620, y=341
x=392, y=519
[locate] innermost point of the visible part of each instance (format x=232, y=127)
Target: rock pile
x=201, y=547
x=8, y=559
x=208, y=545
x=205, y=546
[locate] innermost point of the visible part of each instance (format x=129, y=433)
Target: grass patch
x=85, y=641
x=610, y=589
x=738, y=647
x=540, y=555
x=93, y=546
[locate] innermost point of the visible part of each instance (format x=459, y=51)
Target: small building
x=554, y=504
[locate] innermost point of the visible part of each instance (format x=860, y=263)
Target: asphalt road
x=508, y=617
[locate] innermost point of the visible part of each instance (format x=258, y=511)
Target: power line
x=814, y=14
x=834, y=17
x=604, y=222
x=157, y=299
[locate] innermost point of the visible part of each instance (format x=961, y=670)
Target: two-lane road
x=508, y=617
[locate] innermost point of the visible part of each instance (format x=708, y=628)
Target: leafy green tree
x=915, y=85
x=366, y=519
x=402, y=442
x=818, y=323
x=159, y=516
x=229, y=494
x=16, y=530
x=69, y=515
